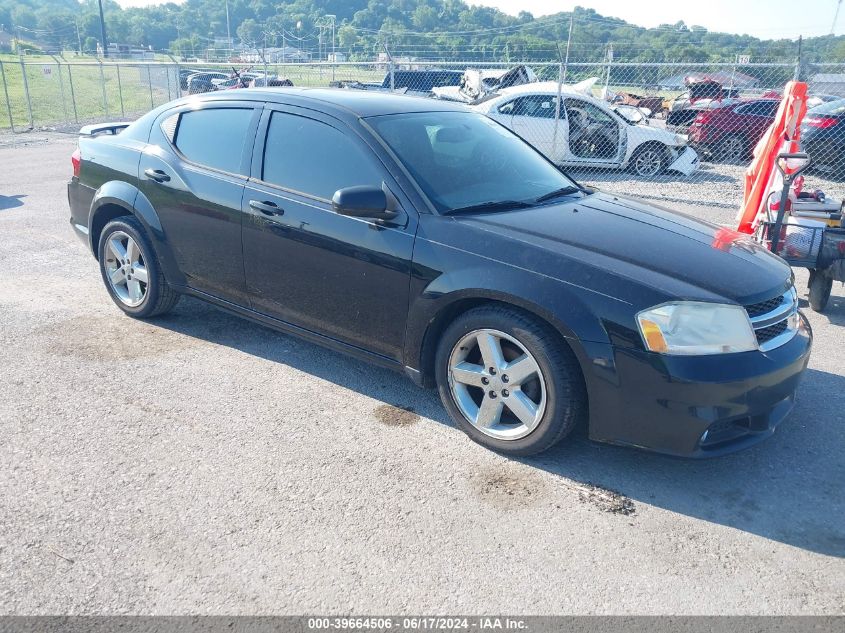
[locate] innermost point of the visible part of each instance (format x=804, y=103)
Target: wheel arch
x=116, y=199
x=461, y=302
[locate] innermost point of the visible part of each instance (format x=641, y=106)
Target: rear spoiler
x=103, y=128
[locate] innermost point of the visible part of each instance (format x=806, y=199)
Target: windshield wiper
x=563, y=191
x=496, y=205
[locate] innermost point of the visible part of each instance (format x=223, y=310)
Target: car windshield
x=463, y=160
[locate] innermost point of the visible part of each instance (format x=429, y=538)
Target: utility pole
x=228, y=29
x=103, y=30
x=568, y=43
x=835, y=16
x=78, y=38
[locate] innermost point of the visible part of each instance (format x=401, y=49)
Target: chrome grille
x=763, y=307
x=775, y=320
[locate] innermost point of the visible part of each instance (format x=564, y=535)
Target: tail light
x=821, y=121
x=76, y=161
x=703, y=117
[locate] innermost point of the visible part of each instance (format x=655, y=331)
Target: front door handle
x=157, y=175
x=267, y=208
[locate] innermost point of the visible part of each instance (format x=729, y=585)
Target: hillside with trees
x=430, y=29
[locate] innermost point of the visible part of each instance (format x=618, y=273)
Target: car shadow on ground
x=787, y=489
x=11, y=202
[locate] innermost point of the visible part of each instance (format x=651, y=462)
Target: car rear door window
x=536, y=106
x=315, y=158
x=214, y=137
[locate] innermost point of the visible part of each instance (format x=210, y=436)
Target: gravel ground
x=201, y=464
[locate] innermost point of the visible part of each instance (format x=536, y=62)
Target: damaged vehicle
x=477, y=85
x=702, y=93
x=413, y=82
x=583, y=131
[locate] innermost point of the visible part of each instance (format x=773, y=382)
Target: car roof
x=360, y=103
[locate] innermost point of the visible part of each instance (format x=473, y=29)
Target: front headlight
x=692, y=328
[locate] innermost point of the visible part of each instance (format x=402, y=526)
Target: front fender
x=569, y=308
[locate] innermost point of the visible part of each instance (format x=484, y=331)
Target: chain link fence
x=672, y=132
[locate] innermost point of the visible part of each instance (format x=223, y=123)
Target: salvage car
x=586, y=132
x=411, y=82
x=823, y=138
x=729, y=132
x=430, y=239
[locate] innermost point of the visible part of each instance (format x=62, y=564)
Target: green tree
x=250, y=31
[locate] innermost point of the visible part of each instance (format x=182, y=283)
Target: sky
x=762, y=18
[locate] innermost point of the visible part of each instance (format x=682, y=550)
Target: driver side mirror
x=363, y=201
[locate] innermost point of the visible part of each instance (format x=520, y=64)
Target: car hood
x=642, y=133
x=675, y=253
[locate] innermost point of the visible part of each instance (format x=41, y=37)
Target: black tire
x=566, y=399
x=659, y=152
x=159, y=297
x=733, y=149
x=820, y=287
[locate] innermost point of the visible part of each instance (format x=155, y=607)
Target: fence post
x=120, y=91
x=103, y=85
x=150, y=82
x=61, y=87
x=178, y=75
x=390, y=67
x=26, y=91
x=797, y=75
x=6, y=91
x=72, y=94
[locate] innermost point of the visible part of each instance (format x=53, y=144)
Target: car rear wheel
x=650, y=161
x=131, y=272
x=508, y=381
x=733, y=149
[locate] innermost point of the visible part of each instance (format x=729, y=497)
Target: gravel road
x=201, y=464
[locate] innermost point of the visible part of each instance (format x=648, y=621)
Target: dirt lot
x=201, y=464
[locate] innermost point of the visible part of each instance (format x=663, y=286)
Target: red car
x=729, y=133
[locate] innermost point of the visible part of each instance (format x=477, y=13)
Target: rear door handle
x=267, y=208
x=157, y=175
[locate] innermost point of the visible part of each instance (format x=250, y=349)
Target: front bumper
x=700, y=406
x=686, y=163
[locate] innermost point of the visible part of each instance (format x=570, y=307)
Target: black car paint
x=383, y=291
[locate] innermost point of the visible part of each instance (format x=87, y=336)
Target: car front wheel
x=131, y=272
x=650, y=161
x=508, y=381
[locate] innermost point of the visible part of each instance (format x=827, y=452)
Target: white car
x=587, y=132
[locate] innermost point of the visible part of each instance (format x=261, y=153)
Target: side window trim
x=249, y=140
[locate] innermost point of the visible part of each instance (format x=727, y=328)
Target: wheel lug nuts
x=504, y=378
x=505, y=393
x=485, y=381
x=492, y=371
x=492, y=394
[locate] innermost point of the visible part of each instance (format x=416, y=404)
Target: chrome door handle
x=267, y=208
x=157, y=175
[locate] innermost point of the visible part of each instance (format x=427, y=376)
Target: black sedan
x=421, y=236
x=823, y=137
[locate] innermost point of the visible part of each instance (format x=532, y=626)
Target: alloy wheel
x=733, y=149
x=497, y=384
x=126, y=269
x=648, y=162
